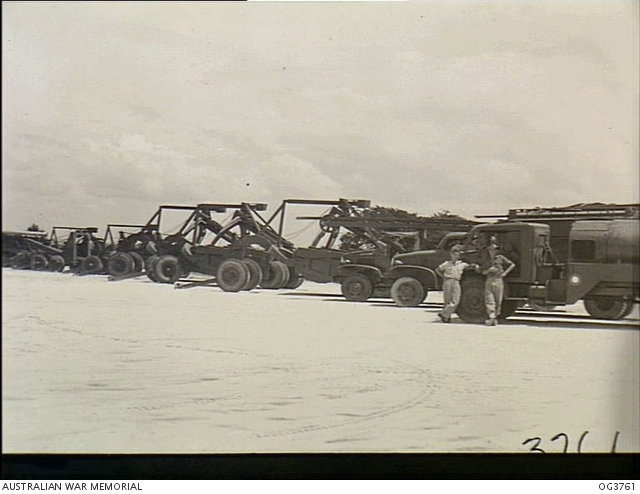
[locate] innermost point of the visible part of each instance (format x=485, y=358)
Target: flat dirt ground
x=92, y=366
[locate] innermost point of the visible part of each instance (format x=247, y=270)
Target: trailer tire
x=138, y=262
x=408, y=292
x=276, y=277
x=607, y=308
x=56, y=264
x=232, y=275
x=357, y=288
x=167, y=269
x=149, y=267
x=92, y=265
x=471, y=307
x=120, y=264
x=38, y=262
x=255, y=274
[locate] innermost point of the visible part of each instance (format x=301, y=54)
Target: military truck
x=601, y=267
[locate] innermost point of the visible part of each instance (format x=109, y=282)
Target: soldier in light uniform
x=499, y=267
x=451, y=271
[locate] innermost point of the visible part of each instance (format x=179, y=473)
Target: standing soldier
x=451, y=271
x=499, y=267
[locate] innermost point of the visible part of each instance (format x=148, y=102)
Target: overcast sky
x=112, y=108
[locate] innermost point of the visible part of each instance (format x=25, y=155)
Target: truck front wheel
x=408, y=292
x=607, y=308
x=357, y=288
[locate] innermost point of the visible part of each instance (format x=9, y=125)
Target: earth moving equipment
x=601, y=267
x=224, y=251
x=80, y=249
x=601, y=242
x=16, y=242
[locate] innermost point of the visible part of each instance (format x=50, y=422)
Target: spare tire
x=121, y=263
x=168, y=269
x=38, y=262
x=472, y=307
x=232, y=275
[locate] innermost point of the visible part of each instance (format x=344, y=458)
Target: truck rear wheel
x=167, y=269
x=357, y=288
x=471, y=307
x=408, y=292
x=607, y=308
x=232, y=275
x=38, y=262
x=20, y=260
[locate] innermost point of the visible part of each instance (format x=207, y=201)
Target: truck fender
x=426, y=276
x=371, y=272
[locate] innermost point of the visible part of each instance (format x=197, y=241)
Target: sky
x=110, y=109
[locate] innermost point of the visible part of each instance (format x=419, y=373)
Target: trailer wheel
x=607, y=308
x=92, y=265
x=138, y=262
x=167, y=269
x=357, y=288
x=120, y=263
x=38, y=262
x=232, y=275
x=56, y=263
x=276, y=276
x=149, y=266
x=255, y=274
x=408, y=292
x=471, y=307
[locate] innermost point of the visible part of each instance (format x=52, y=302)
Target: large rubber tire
x=120, y=263
x=138, y=262
x=357, y=288
x=408, y=292
x=56, y=263
x=276, y=277
x=38, y=262
x=471, y=307
x=232, y=275
x=91, y=265
x=628, y=311
x=255, y=274
x=607, y=308
x=20, y=260
x=168, y=269
x=150, y=268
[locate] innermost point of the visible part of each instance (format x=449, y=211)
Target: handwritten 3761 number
x=536, y=442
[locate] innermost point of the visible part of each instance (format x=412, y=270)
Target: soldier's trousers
x=493, y=295
x=451, y=297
